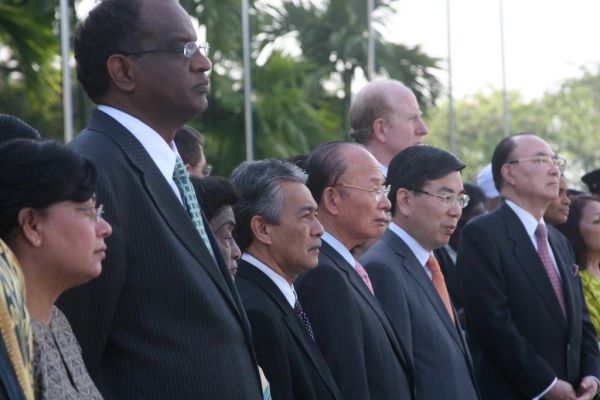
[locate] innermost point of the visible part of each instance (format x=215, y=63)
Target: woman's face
x=589, y=226
x=72, y=241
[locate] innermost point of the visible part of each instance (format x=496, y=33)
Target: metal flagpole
x=506, y=116
x=371, y=42
x=451, y=114
x=247, y=82
x=66, y=70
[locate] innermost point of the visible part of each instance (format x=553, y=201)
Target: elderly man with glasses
x=527, y=323
x=164, y=320
x=427, y=198
x=366, y=358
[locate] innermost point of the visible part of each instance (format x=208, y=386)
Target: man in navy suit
x=350, y=327
x=164, y=320
x=278, y=230
x=527, y=323
x=427, y=197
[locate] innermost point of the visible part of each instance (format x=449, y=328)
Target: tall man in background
x=385, y=117
x=164, y=319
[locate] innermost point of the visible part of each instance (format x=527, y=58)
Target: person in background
x=485, y=181
x=447, y=255
x=50, y=220
x=190, y=145
x=558, y=211
x=385, y=117
x=12, y=127
x=582, y=228
x=592, y=180
x=216, y=196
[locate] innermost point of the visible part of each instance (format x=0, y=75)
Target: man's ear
x=507, y=174
x=29, y=221
x=404, y=201
x=330, y=200
x=260, y=230
x=119, y=69
x=378, y=127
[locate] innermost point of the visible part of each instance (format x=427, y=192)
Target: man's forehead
x=165, y=19
x=531, y=145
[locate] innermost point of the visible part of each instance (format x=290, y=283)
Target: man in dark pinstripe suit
x=164, y=320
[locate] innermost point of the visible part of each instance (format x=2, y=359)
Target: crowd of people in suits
x=366, y=269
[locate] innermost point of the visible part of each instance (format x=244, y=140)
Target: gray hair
x=259, y=186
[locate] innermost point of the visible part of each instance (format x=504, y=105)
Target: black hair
x=414, y=166
x=38, y=174
x=188, y=142
x=571, y=228
x=12, y=127
x=325, y=165
x=214, y=193
x=111, y=27
x=476, y=197
x=500, y=157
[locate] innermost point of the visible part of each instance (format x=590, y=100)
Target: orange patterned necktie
x=437, y=278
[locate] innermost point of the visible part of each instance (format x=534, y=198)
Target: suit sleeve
x=271, y=353
x=488, y=316
x=327, y=300
x=90, y=308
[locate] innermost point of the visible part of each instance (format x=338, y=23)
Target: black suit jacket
x=519, y=339
x=442, y=362
x=163, y=320
x=353, y=332
x=289, y=357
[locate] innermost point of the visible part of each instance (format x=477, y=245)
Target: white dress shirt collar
x=286, y=289
x=162, y=153
x=528, y=220
x=384, y=170
x=418, y=250
x=339, y=247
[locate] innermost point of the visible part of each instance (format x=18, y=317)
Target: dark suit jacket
x=441, y=357
x=163, y=320
x=289, y=357
x=353, y=332
x=519, y=339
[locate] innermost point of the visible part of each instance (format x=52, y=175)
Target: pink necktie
x=542, y=246
x=437, y=278
x=364, y=276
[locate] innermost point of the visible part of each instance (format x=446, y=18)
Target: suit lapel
x=289, y=317
x=166, y=202
x=528, y=259
x=363, y=291
x=411, y=265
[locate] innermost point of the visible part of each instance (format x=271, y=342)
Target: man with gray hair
x=385, y=117
x=278, y=231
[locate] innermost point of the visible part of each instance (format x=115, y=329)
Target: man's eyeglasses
x=189, y=49
x=379, y=193
x=448, y=199
x=546, y=161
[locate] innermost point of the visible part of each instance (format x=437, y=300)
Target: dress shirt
x=414, y=246
x=531, y=224
x=286, y=289
x=162, y=153
x=340, y=248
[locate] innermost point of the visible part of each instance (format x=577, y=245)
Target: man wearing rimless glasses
x=527, y=323
x=164, y=320
x=427, y=198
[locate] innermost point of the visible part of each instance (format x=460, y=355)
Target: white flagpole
x=371, y=42
x=66, y=70
x=247, y=82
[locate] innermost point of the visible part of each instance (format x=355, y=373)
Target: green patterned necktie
x=182, y=180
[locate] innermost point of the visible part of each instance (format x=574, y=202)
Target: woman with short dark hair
x=50, y=220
